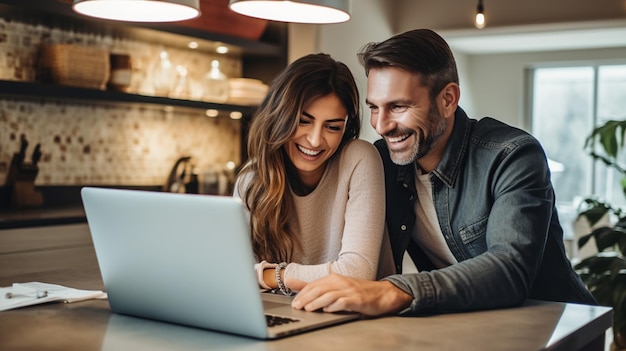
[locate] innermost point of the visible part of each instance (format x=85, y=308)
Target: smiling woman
x=313, y=191
x=316, y=139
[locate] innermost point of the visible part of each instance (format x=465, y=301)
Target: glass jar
x=181, y=88
x=163, y=75
x=216, y=86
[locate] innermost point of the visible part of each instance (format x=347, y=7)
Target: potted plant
x=604, y=273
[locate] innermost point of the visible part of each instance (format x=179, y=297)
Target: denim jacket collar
x=451, y=161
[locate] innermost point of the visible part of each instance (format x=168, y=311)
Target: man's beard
x=423, y=144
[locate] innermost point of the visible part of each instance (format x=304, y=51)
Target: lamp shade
x=297, y=11
x=139, y=10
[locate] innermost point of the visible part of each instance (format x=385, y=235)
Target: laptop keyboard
x=273, y=321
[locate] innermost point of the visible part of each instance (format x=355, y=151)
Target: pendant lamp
x=139, y=10
x=479, y=20
x=296, y=11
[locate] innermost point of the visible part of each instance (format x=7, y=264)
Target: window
x=567, y=103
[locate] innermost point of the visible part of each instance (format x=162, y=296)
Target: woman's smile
x=317, y=138
x=309, y=152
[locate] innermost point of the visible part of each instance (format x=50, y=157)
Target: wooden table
x=64, y=255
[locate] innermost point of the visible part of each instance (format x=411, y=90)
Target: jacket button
x=403, y=227
x=405, y=185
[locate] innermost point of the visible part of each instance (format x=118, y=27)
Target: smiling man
x=471, y=201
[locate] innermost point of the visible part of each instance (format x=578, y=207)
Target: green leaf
x=619, y=301
x=594, y=214
x=609, y=142
x=596, y=265
x=594, y=209
x=618, y=269
x=607, y=237
x=621, y=244
x=602, y=291
x=610, y=136
x=583, y=240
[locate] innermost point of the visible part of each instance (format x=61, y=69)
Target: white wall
x=497, y=81
x=370, y=22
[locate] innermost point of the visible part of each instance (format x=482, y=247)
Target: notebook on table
x=187, y=259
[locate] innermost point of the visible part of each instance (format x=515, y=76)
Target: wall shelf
x=261, y=59
x=43, y=91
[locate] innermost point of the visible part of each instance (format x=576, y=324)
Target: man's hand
x=339, y=293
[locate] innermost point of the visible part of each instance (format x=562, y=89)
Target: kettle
x=176, y=179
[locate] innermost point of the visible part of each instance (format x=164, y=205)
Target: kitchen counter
x=41, y=217
x=64, y=255
x=535, y=325
x=62, y=205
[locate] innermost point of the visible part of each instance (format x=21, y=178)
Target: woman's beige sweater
x=341, y=224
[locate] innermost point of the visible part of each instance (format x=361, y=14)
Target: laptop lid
x=186, y=259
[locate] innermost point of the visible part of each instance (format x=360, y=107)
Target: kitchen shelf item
x=163, y=74
x=182, y=85
x=246, y=91
x=21, y=177
x=75, y=65
x=215, y=84
x=121, y=72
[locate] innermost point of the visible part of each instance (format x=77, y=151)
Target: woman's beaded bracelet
x=281, y=286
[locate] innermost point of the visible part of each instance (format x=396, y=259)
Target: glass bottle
x=181, y=87
x=163, y=75
x=216, y=88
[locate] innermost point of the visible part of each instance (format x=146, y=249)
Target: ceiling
x=564, y=36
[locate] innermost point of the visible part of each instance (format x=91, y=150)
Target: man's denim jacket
x=496, y=208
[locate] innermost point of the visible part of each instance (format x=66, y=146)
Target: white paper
x=25, y=294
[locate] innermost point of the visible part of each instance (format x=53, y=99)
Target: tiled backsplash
x=101, y=145
x=110, y=144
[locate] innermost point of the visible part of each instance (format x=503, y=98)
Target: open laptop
x=187, y=259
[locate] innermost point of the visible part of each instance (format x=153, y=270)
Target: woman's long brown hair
x=273, y=124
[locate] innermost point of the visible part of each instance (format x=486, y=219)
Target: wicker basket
x=75, y=65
